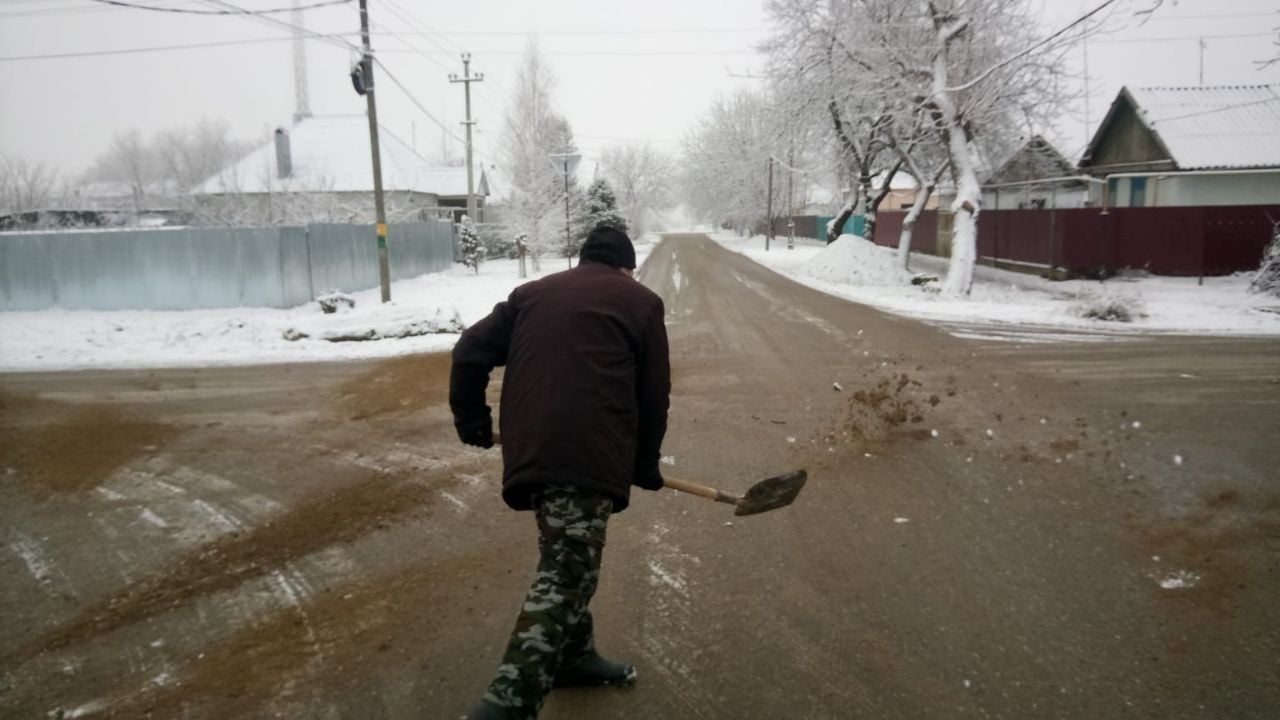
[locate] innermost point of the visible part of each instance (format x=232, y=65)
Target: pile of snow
x=855, y=261
x=1012, y=302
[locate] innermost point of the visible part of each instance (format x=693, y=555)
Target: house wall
x=1195, y=190
x=1251, y=189
x=1032, y=198
x=182, y=269
x=1128, y=146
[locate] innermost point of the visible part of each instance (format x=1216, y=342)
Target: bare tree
x=925, y=161
x=532, y=131
x=188, y=156
x=903, y=78
x=726, y=157
x=169, y=167
x=818, y=75
x=644, y=179
x=129, y=162
x=25, y=185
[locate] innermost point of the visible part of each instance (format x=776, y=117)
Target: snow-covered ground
x=80, y=339
x=855, y=269
x=1003, y=305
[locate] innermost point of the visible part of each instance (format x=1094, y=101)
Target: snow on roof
x=902, y=180
x=331, y=154
x=1214, y=127
x=1036, y=159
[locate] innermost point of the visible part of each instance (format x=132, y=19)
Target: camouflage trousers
x=554, y=628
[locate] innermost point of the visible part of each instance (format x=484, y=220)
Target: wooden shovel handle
x=683, y=486
x=693, y=488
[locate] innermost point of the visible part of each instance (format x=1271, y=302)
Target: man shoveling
x=584, y=410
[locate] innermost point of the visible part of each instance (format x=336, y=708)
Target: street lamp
x=565, y=164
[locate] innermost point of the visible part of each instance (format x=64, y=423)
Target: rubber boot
x=594, y=671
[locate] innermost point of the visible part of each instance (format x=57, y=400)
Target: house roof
x=331, y=154
x=1203, y=128
x=1037, y=159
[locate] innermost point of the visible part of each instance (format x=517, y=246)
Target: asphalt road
x=990, y=530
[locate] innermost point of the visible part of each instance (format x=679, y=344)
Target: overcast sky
x=626, y=70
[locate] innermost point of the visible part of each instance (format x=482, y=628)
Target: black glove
x=648, y=478
x=478, y=432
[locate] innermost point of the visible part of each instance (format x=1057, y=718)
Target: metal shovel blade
x=772, y=493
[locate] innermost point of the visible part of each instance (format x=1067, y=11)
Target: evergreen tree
x=472, y=250
x=1267, y=279
x=601, y=208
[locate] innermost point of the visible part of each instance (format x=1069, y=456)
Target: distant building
x=320, y=170
x=105, y=204
x=1189, y=146
x=1035, y=177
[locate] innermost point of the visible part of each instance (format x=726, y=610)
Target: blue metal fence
x=188, y=268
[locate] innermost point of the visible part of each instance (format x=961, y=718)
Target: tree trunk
x=869, y=227
x=964, y=242
x=837, y=226
x=909, y=225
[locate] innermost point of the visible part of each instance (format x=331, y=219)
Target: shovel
x=768, y=494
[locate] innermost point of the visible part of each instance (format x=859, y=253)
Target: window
x=1137, y=192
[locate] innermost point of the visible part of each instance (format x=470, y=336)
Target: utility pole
x=1202, y=48
x=566, y=163
x=466, y=80
x=384, y=265
x=568, y=236
x=768, y=235
x=791, y=206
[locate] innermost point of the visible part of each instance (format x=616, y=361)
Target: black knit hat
x=609, y=246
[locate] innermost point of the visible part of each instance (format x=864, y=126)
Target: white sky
x=627, y=71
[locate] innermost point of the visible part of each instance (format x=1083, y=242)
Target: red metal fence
x=1085, y=241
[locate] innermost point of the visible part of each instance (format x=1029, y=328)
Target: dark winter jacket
x=587, y=385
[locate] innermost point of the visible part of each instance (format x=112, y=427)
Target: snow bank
x=425, y=315
x=855, y=261
x=1015, y=302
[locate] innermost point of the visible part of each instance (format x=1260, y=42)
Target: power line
x=311, y=34
x=614, y=53
x=1177, y=38
x=414, y=100
x=188, y=11
x=654, y=31
x=62, y=10
x=408, y=19
x=1211, y=111
x=156, y=48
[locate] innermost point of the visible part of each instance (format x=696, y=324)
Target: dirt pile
x=399, y=385
x=59, y=448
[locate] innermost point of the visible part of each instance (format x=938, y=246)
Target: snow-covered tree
x=601, y=208
x=961, y=73
x=1267, y=279
x=187, y=156
x=26, y=185
x=817, y=78
x=645, y=181
x=469, y=239
x=532, y=132
x=726, y=159
x=170, y=165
